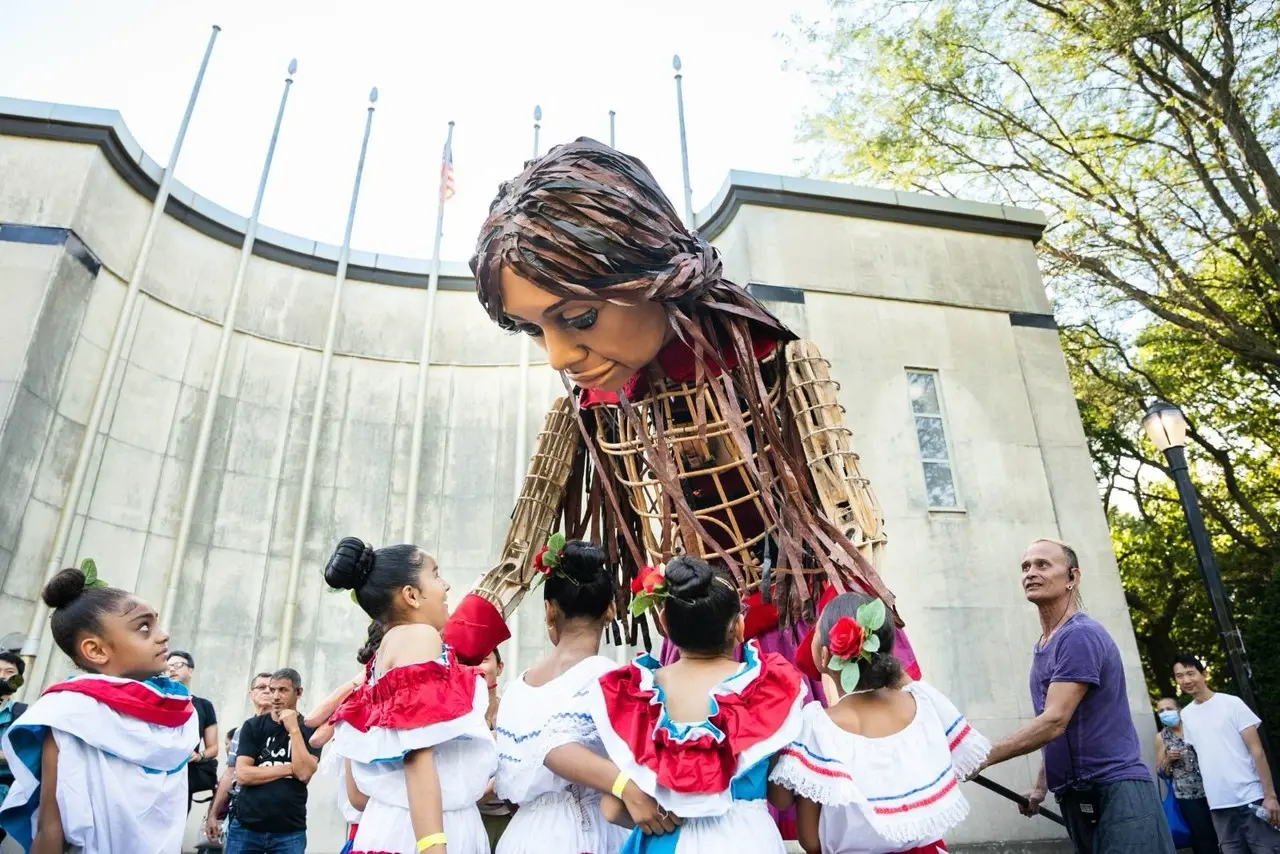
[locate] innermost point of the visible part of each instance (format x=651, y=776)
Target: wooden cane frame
x=707, y=463
x=534, y=513
x=843, y=490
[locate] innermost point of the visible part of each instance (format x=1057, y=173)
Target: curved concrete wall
x=881, y=281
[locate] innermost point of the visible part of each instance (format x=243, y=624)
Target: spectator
x=274, y=763
x=202, y=770
x=1237, y=779
x=224, y=796
x=1082, y=726
x=12, y=667
x=1178, y=760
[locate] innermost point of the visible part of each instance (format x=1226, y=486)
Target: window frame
x=943, y=417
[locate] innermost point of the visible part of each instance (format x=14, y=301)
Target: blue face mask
x=1168, y=717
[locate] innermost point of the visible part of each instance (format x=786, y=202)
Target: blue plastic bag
x=1177, y=824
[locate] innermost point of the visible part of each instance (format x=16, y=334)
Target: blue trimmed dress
x=713, y=772
x=555, y=816
x=891, y=794
x=123, y=747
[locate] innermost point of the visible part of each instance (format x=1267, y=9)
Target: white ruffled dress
x=554, y=816
x=123, y=747
x=712, y=773
x=439, y=705
x=891, y=794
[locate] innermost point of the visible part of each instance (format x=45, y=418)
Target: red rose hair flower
x=846, y=638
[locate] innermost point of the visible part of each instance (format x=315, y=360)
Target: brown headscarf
x=588, y=222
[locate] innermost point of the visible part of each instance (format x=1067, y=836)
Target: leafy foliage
x=1149, y=133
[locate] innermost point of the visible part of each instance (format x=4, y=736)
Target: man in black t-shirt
x=274, y=763
x=202, y=770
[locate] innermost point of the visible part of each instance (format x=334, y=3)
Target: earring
x=1069, y=586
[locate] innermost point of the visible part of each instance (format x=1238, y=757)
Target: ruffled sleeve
x=810, y=769
x=969, y=748
x=907, y=785
x=412, y=707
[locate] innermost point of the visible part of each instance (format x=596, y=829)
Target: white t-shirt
x=1213, y=728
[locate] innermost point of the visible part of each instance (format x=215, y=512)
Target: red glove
x=475, y=629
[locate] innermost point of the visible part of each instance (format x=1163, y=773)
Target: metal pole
x=537, y=128
x=37, y=633
x=521, y=462
x=317, y=412
x=612, y=136
x=219, y=367
x=1232, y=643
x=684, y=144
x=424, y=363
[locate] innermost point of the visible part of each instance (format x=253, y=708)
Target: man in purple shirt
x=1092, y=762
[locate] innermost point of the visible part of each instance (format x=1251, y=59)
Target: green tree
x=1149, y=133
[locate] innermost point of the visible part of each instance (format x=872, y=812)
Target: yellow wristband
x=620, y=784
x=430, y=841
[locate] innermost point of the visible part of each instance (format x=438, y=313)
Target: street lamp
x=1166, y=427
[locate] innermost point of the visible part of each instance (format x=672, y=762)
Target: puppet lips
x=593, y=379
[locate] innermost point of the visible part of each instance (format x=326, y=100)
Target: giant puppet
x=696, y=422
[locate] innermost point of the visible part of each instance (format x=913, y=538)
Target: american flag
x=446, y=172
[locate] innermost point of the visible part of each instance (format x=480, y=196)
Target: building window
x=931, y=436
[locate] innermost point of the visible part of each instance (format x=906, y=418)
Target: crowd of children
x=583, y=754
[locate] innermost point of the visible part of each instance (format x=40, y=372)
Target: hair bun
x=582, y=561
x=64, y=588
x=350, y=564
x=689, y=578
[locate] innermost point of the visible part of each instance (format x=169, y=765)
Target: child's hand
x=645, y=812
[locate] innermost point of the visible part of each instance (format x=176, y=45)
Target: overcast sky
x=483, y=64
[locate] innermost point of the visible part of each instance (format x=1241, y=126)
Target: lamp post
x=1166, y=427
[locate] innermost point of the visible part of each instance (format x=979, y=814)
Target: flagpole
x=424, y=363
x=219, y=367
x=37, y=634
x=621, y=653
x=684, y=143
x=317, y=411
x=521, y=461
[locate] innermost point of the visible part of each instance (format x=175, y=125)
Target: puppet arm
x=479, y=624
x=843, y=491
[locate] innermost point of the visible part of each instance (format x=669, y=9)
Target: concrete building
x=931, y=311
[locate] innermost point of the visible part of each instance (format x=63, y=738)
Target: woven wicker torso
x=712, y=473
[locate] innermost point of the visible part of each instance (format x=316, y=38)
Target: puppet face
x=597, y=345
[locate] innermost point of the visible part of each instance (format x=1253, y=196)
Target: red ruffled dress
x=437, y=704
x=712, y=772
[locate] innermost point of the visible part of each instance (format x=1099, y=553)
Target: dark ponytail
x=582, y=585
x=701, y=605
x=372, y=642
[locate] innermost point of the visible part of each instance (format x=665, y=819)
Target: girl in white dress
x=100, y=760
x=880, y=770
x=695, y=736
x=414, y=733
x=554, y=816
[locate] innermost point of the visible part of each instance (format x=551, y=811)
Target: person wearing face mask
x=1178, y=760
x=12, y=668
